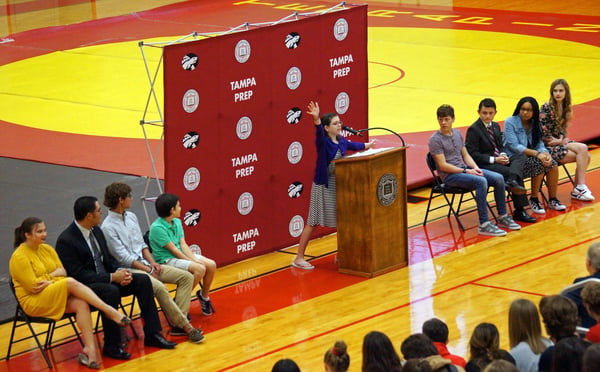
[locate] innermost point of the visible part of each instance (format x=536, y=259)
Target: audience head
x=436, y=330
x=559, y=315
x=524, y=325
x=418, y=346
x=445, y=110
x=165, y=203
x=591, y=358
x=567, y=99
x=26, y=227
x=568, y=355
x=379, y=354
x=500, y=365
x=485, y=342
x=285, y=365
x=417, y=365
x=115, y=192
x=336, y=359
x=593, y=258
x=87, y=211
x=591, y=298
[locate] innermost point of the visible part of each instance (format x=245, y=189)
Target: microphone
x=353, y=131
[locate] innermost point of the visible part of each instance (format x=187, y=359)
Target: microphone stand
x=389, y=130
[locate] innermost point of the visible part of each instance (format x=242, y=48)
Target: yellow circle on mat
x=103, y=90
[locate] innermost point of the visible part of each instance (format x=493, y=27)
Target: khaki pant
x=176, y=311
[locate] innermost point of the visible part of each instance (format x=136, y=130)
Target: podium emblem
x=387, y=189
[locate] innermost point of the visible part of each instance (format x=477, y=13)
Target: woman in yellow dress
x=43, y=288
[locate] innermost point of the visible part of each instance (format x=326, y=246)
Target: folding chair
x=23, y=319
x=576, y=288
x=439, y=188
x=571, y=179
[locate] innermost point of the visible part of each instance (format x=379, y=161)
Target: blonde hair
x=524, y=325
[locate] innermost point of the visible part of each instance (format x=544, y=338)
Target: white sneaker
x=536, y=206
x=581, y=192
x=555, y=204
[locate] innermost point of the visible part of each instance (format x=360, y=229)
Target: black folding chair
x=23, y=319
x=440, y=189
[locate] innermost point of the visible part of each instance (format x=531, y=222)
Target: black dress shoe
x=521, y=215
x=157, y=340
x=115, y=352
x=514, y=187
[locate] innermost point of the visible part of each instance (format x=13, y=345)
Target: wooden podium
x=371, y=212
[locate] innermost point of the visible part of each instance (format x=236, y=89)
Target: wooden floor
x=267, y=310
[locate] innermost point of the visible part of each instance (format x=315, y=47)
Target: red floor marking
x=508, y=289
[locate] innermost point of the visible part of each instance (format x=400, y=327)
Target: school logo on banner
x=342, y=102
x=296, y=226
x=191, y=100
x=340, y=29
x=295, y=189
x=242, y=51
x=190, y=140
x=243, y=128
x=293, y=78
x=191, y=217
x=294, y=115
x=189, y=62
x=191, y=179
x=292, y=40
x=245, y=203
x=294, y=152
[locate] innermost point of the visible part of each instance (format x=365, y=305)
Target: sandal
x=85, y=361
x=303, y=265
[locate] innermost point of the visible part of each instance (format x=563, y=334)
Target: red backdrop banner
x=239, y=146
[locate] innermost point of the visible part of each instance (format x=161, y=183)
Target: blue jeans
x=480, y=185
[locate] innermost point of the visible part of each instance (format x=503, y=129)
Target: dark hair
x=436, y=330
x=591, y=358
x=27, y=226
x=84, y=205
x=164, y=203
x=418, y=346
x=501, y=365
x=591, y=296
x=417, y=365
x=114, y=192
x=487, y=102
x=536, y=130
x=326, y=119
x=445, y=110
x=285, y=365
x=484, y=344
x=378, y=354
x=337, y=357
x=559, y=315
x=567, y=355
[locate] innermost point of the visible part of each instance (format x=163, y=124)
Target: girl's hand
x=313, y=110
x=41, y=285
x=58, y=272
x=370, y=144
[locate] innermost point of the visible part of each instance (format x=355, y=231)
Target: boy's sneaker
x=195, y=336
x=176, y=331
x=536, y=206
x=553, y=203
x=207, y=307
x=508, y=223
x=581, y=192
x=490, y=229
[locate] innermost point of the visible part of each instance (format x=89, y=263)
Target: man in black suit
x=484, y=143
x=592, y=265
x=84, y=253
